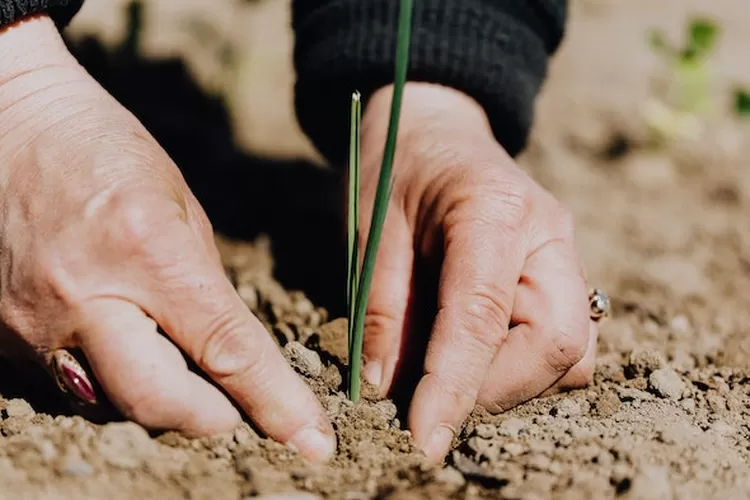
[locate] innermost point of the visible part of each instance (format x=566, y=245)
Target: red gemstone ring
x=72, y=378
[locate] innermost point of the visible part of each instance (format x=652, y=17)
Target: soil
x=665, y=231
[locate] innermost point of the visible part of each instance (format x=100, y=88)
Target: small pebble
x=303, y=359
x=716, y=402
x=540, y=462
x=303, y=306
x=450, y=477
x=485, y=431
x=567, y=408
x=514, y=449
x=387, y=409
x=631, y=394
x=666, y=383
x=243, y=434
x=18, y=408
x=124, y=444
x=73, y=463
x=688, y=405
x=511, y=427
x=650, y=483
x=607, y=404
x=681, y=325
x=644, y=361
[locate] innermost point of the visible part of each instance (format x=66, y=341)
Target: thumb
x=389, y=302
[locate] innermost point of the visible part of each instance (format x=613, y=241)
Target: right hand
x=101, y=241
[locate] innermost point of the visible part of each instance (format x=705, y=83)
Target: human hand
x=101, y=241
x=512, y=319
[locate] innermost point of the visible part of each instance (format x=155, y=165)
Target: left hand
x=512, y=320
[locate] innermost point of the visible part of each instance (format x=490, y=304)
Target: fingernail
x=438, y=443
x=373, y=372
x=313, y=444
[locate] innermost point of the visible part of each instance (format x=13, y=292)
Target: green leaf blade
x=353, y=211
x=381, y=197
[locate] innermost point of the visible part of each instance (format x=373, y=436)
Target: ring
x=599, y=304
x=71, y=378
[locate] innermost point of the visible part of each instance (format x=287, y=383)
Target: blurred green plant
x=687, y=94
x=359, y=283
x=688, y=63
x=742, y=102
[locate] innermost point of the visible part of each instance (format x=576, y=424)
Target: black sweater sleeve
x=496, y=51
x=61, y=11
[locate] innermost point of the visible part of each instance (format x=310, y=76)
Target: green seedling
x=352, y=277
x=677, y=111
x=359, y=282
x=689, y=63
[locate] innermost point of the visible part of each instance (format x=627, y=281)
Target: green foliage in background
x=689, y=62
x=742, y=103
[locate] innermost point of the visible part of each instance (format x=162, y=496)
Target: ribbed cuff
x=61, y=11
x=495, y=51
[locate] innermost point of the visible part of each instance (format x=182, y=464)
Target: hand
x=101, y=241
x=512, y=319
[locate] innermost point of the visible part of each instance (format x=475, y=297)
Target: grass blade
x=381, y=198
x=352, y=282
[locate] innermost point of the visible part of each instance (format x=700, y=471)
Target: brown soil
x=665, y=232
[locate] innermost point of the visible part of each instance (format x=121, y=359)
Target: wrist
x=427, y=108
x=30, y=44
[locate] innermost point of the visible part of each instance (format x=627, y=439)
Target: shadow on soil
x=294, y=203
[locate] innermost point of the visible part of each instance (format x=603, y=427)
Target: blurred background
x=642, y=130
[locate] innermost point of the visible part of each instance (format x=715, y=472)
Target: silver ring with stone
x=599, y=304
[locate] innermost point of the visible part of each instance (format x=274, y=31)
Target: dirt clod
x=666, y=383
x=304, y=360
x=125, y=445
x=644, y=361
x=18, y=408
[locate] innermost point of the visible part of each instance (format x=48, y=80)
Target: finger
x=389, y=301
x=581, y=374
x=200, y=310
x=480, y=272
x=552, y=316
x=145, y=376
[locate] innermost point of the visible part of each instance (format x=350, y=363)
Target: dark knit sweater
x=496, y=51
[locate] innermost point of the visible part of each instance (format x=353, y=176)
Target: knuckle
x=228, y=349
x=487, y=314
x=134, y=220
x=457, y=393
x=380, y=324
x=567, y=348
x=512, y=204
x=137, y=220
x=499, y=201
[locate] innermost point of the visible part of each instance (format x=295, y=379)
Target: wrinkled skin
x=101, y=241
x=512, y=318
